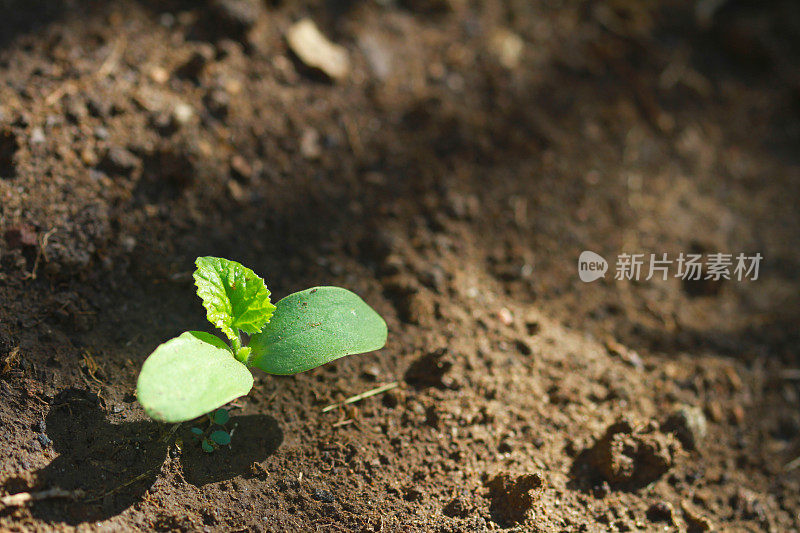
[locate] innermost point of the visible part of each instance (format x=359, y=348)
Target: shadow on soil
x=115, y=464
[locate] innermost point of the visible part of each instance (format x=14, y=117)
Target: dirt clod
x=631, y=454
x=512, y=497
x=459, y=507
x=431, y=369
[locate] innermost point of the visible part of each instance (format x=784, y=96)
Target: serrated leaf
x=313, y=327
x=187, y=377
x=221, y=437
x=221, y=416
x=235, y=298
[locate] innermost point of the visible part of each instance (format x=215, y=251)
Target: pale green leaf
x=188, y=376
x=313, y=327
x=235, y=298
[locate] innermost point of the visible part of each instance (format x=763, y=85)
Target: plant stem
x=236, y=344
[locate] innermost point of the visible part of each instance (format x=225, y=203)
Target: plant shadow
x=114, y=464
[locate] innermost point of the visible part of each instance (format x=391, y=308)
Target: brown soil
x=454, y=190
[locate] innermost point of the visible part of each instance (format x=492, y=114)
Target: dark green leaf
x=221, y=437
x=207, y=446
x=221, y=416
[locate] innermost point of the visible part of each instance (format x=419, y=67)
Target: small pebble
x=182, y=113
x=316, y=51
x=37, y=136
x=324, y=496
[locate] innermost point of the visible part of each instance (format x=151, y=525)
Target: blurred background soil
x=450, y=173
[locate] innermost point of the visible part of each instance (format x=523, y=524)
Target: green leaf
x=196, y=431
x=207, y=446
x=188, y=376
x=221, y=437
x=313, y=327
x=221, y=416
x=235, y=298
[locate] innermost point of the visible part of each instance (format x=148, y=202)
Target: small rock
x=119, y=161
x=689, y=425
x=240, y=168
x=310, y=144
x=695, y=522
x=159, y=75
x=316, y=51
x=623, y=352
x=182, y=113
x=507, y=46
x=325, y=496
x=37, y=136
x=505, y=316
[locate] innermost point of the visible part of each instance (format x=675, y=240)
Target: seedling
x=197, y=372
x=215, y=434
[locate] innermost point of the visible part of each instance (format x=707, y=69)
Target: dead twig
x=40, y=252
x=363, y=395
x=21, y=498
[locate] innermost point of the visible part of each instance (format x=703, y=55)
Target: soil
x=451, y=178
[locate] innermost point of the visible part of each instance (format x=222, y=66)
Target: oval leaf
x=221, y=437
x=187, y=377
x=315, y=326
x=221, y=416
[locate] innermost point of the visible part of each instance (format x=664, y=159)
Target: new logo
x=591, y=266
